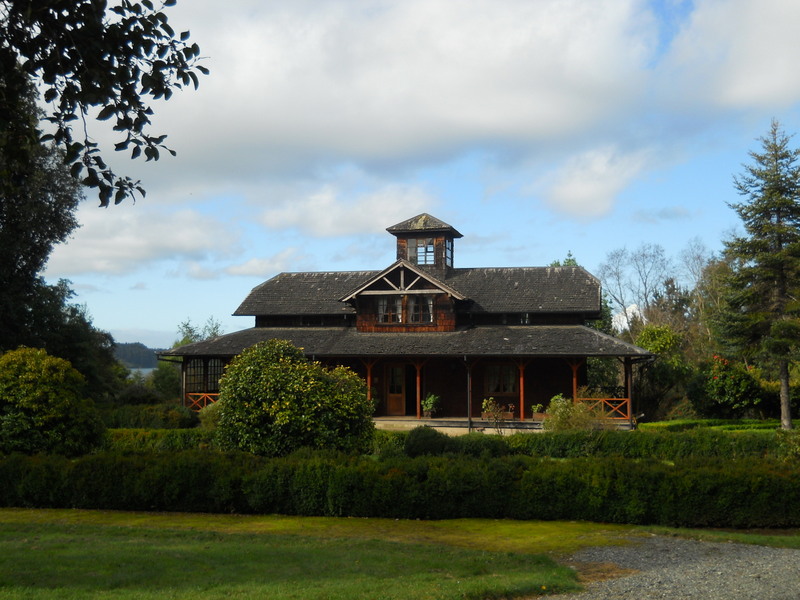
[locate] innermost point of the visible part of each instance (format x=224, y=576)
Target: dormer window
x=390, y=309
x=421, y=251
x=420, y=309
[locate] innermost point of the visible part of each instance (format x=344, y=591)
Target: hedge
x=158, y=440
x=662, y=445
x=745, y=493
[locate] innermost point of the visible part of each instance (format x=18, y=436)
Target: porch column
x=628, y=363
x=418, y=367
x=575, y=365
x=521, y=366
x=468, y=364
x=369, y=364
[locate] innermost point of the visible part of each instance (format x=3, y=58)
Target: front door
x=396, y=390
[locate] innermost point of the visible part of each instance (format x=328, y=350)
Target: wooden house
x=423, y=326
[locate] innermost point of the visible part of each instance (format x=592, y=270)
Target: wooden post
x=418, y=366
x=369, y=364
x=629, y=387
x=521, y=366
x=575, y=365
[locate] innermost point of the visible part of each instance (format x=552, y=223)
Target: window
x=501, y=380
x=204, y=375
x=390, y=309
x=194, y=376
x=420, y=309
x=421, y=251
x=215, y=370
x=448, y=252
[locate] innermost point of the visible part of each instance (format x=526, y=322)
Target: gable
x=402, y=278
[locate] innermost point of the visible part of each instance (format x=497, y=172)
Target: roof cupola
x=425, y=241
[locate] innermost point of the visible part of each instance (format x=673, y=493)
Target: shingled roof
x=321, y=342
x=423, y=223
x=490, y=290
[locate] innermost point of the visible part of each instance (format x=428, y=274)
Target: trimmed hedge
x=158, y=440
x=662, y=445
x=745, y=493
x=150, y=416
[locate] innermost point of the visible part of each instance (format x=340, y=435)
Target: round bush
x=42, y=406
x=426, y=441
x=274, y=401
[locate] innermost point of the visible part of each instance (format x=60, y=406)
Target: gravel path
x=674, y=568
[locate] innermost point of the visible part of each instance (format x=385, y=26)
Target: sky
x=536, y=128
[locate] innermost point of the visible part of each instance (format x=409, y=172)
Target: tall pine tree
x=762, y=320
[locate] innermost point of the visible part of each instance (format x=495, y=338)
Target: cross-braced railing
x=199, y=400
x=609, y=408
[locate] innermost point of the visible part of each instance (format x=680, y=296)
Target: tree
x=42, y=406
x=762, y=315
x=665, y=378
x=189, y=333
x=274, y=401
x=88, y=57
x=633, y=281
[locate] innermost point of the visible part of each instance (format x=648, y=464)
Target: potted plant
x=431, y=405
x=537, y=412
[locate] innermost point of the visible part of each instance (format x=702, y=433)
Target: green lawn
x=71, y=554
x=88, y=554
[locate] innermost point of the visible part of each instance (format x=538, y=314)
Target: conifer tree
x=762, y=318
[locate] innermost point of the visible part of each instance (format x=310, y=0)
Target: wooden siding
x=367, y=320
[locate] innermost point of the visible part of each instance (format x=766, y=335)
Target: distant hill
x=136, y=355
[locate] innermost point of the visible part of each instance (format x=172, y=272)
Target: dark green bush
x=274, y=401
x=479, y=445
x=139, y=393
x=744, y=493
x=169, y=415
x=389, y=443
x=426, y=441
x=43, y=406
x=158, y=440
x=699, y=443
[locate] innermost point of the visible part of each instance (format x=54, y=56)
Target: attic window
x=421, y=251
x=420, y=310
x=390, y=309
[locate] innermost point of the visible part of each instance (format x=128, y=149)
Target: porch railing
x=199, y=400
x=609, y=408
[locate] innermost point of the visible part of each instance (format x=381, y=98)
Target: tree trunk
x=786, y=409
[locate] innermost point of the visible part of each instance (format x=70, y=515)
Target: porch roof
x=345, y=342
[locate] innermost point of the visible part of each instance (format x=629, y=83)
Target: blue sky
x=534, y=127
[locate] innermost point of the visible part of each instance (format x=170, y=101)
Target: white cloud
x=128, y=238
x=295, y=85
x=329, y=212
x=265, y=267
x=736, y=54
x=586, y=185
x=670, y=213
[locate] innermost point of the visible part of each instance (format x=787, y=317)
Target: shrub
x=724, y=389
x=480, y=445
x=145, y=416
x=564, y=414
x=209, y=415
x=43, y=407
x=275, y=401
x=743, y=493
x=422, y=441
x=139, y=393
x=158, y=440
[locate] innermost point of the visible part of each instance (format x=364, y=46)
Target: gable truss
x=408, y=279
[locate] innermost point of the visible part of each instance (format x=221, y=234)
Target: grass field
x=69, y=554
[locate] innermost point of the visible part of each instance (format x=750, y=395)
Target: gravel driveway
x=674, y=568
